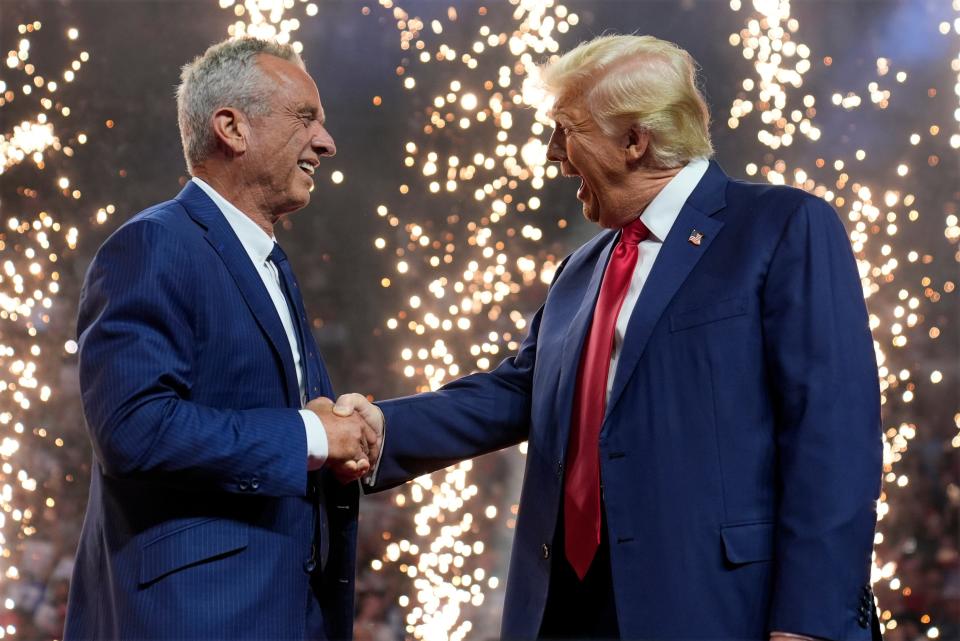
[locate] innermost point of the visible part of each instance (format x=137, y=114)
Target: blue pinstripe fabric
x=201, y=513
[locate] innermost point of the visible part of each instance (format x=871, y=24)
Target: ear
x=638, y=140
x=231, y=129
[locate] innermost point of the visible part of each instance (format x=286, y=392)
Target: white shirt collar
x=663, y=210
x=257, y=243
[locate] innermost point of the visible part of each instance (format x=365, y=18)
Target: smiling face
x=601, y=161
x=284, y=145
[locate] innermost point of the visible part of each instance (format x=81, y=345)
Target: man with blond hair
x=699, y=390
x=223, y=501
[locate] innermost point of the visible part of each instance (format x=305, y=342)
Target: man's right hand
x=348, y=451
x=349, y=404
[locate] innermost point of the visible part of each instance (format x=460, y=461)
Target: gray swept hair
x=226, y=75
x=630, y=80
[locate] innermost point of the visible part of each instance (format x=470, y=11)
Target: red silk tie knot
x=634, y=232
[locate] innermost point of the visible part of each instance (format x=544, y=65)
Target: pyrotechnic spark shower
x=876, y=216
x=480, y=138
x=32, y=242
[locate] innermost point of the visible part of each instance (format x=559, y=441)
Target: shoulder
x=158, y=239
x=169, y=215
x=155, y=228
x=776, y=206
x=767, y=196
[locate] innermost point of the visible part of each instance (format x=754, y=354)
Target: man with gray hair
x=223, y=494
x=699, y=390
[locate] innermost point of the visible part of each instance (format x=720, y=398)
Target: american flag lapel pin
x=696, y=237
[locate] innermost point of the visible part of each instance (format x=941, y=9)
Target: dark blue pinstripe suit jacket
x=201, y=516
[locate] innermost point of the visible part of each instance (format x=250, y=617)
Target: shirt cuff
x=317, y=447
x=790, y=635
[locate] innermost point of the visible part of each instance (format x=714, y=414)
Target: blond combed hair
x=638, y=81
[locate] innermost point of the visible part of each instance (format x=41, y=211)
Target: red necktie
x=581, y=500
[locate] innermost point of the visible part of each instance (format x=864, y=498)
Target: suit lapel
x=675, y=261
x=222, y=238
x=573, y=344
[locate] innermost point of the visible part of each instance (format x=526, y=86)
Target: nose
x=556, y=150
x=322, y=143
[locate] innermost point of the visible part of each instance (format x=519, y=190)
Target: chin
x=299, y=198
x=590, y=213
x=290, y=206
x=297, y=205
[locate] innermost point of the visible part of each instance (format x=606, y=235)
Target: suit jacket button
x=311, y=564
x=244, y=485
x=546, y=551
x=560, y=468
x=254, y=483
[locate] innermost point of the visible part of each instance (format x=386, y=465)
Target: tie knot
x=634, y=232
x=277, y=255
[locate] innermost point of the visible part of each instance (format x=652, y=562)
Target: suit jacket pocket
x=728, y=308
x=748, y=542
x=194, y=543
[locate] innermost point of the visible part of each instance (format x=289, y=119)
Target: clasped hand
x=354, y=429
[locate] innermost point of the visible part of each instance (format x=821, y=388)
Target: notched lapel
x=676, y=260
x=573, y=345
x=225, y=242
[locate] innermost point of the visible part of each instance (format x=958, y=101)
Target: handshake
x=354, y=428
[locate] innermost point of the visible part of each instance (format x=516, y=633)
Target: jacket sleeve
x=823, y=376
x=138, y=344
x=470, y=416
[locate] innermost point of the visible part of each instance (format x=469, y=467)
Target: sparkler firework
x=465, y=281
x=34, y=240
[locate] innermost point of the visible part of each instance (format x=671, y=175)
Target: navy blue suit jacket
x=741, y=447
x=202, y=516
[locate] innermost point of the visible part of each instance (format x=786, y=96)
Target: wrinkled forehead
x=293, y=77
x=286, y=72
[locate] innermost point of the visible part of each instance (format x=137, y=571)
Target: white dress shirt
x=659, y=217
x=258, y=245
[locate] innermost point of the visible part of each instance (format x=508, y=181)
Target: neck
x=639, y=189
x=244, y=199
x=647, y=182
